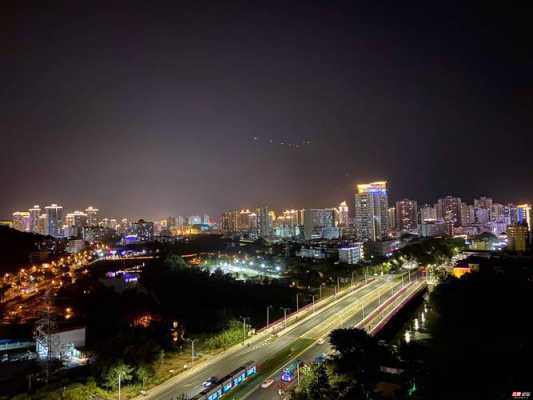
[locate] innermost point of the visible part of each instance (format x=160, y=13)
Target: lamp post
x=268, y=316
x=192, y=349
x=297, y=307
x=285, y=309
x=244, y=319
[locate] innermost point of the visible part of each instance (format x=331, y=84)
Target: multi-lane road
x=346, y=310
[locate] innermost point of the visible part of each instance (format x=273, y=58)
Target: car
x=321, y=340
x=267, y=383
x=209, y=381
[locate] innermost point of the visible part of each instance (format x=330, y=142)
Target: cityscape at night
x=266, y=201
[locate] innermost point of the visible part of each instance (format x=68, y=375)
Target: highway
x=347, y=319
x=262, y=348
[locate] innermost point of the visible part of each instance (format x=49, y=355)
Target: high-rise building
x=406, y=215
x=317, y=222
x=205, y=219
x=497, y=212
x=194, y=220
x=342, y=214
x=523, y=214
x=42, y=225
x=144, y=230
x=21, y=221
x=171, y=222
x=427, y=213
x=449, y=210
x=468, y=214
x=75, y=221
x=54, y=214
x=264, y=222
x=517, y=235
x=371, y=209
x=35, y=213
x=391, y=217
x=92, y=216
x=483, y=202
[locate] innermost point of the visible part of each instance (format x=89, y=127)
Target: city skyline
x=216, y=106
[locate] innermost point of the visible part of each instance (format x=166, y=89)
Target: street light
x=285, y=309
x=244, y=319
x=192, y=349
x=268, y=316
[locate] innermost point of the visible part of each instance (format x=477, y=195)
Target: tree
x=118, y=371
x=142, y=373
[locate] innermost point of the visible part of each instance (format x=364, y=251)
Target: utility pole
x=297, y=308
x=338, y=285
x=285, y=309
x=352, y=278
x=268, y=316
x=366, y=273
x=313, y=297
x=192, y=349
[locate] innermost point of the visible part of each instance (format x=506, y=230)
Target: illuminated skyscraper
x=371, y=211
x=92, y=216
x=75, y=221
x=54, y=219
x=318, y=221
x=427, y=213
x=523, y=214
x=406, y=215
x=517, y=235
x=21, y=221
x=391, y=216
x=449, y=210
x=35, y=213
x=342, y=214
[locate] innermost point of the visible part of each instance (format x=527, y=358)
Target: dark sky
x=147, y=111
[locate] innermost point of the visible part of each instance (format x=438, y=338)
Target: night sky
x=182, y=109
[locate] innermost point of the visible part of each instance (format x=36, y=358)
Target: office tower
x=449, y=210
x=406, y=215
x=205, y=219
x=342, y=214
x=517, y=235
x=92, y=216
x=427, y=213
x=371, y=208
x=75, y=221
x=391, y=217
x=286, y=225
x=509, y=213
x=318, y=222
x=482, y=215
x=35, y=213
x=144, y=230
x=54, y=219
x=523, y=214
x=21, y=221
x=171, y=222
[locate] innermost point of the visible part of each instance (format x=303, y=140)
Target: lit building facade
x=371, y=211
x=406, y=215
x=317, y=222
x=92, y=216
x=352, y=254
x=523, y=214
x=342, y=218
x=517, y=236
x=449, y=210
x=21, y=221
x=54, y=214
x=35, y=213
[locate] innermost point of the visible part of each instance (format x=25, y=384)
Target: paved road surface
x=263, y=350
